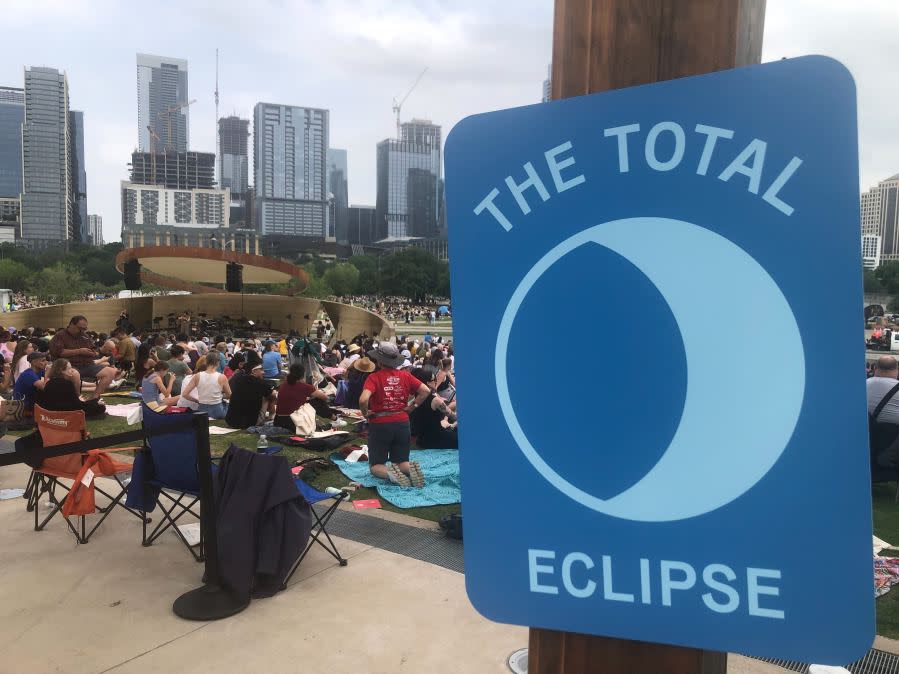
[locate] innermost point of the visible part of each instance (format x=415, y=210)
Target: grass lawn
x=886, y=527
x=330, y=477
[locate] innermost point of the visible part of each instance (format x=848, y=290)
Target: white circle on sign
x=739, y=411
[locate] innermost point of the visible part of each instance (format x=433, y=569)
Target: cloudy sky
x=354, y=56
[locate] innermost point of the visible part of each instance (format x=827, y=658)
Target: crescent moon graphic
x=739, y=412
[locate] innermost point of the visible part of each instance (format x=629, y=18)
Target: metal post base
x=209, y=602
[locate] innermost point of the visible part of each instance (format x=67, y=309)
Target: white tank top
x=209, y=391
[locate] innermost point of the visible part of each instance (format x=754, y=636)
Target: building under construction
x=174, y=170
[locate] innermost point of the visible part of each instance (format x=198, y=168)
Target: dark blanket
x=263, y=522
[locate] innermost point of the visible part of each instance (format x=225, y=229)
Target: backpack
x=452, y=526
x=343, y=387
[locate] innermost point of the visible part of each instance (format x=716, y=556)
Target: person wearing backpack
x=883, y=413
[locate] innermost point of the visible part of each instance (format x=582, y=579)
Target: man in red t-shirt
x=385, y=403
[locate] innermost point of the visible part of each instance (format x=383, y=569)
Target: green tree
x=343, y=278
x=318, y=287
x=443, y=281
x=59, y=283
x=888, y=275
x=412, y=273
x=872, y=284
x=13, y=275
x=102, y=271
x=368, y=271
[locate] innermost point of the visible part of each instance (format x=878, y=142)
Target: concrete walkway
x=106, y=607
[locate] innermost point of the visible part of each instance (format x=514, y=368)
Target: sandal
x=416, y=477
x=397, y=476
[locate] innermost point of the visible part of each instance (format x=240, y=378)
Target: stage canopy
x=182, y=268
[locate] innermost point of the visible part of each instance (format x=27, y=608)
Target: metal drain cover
x=518, y=661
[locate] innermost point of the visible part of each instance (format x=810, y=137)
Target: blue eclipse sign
x=656, y=295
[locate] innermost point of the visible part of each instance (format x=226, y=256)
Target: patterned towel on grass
x=886, y=574
x=441, y=470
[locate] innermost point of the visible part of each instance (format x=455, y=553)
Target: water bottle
x=262, y=444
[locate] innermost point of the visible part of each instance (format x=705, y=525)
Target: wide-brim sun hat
x=363, y=365
x=353, y=348
x=387, y=355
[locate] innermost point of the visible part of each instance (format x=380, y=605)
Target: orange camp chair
x=59, y=428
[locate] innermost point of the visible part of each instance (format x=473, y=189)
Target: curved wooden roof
x=187, y=267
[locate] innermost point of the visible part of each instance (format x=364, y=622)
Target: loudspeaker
x=132, y=275
x=234, y=277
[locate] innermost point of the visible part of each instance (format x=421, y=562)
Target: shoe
x=115, y=384
x=416, y=477
x=397, y=476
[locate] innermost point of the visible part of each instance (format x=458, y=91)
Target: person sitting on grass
x=385, y=403
x=59, y=394
x=293, y=393
x=29, y=381
x=73, y=343
x=271, y=361
x=177, y=368
x=125, y=347
x=431, y=422
x=252, y=398
x=145, y=362
x=208, y=388
x=20, y=358
x=356, y=376
x=153, y=389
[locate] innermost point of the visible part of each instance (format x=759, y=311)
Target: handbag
x=304, y=419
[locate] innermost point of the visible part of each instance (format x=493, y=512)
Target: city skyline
x=358, y=56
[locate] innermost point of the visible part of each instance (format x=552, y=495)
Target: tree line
x=59, y=275
x=412, y=273
x=884, y=281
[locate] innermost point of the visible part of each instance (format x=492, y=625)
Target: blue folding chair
x=319, y=527
x=165, y=474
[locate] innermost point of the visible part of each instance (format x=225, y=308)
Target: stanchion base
x=209, y=602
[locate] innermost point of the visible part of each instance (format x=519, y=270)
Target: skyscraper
x=177, y=170
x=95, y=227
x=47, y=202
x=870, y=210
x=234, y=165
x=290, y=148
x=889, y=217
x=161, y=84
x=80, y=224
x=338, y=188
x=409, y=177
x=12, y=115
x=880, y=216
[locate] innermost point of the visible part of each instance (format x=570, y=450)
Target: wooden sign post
x=609, y=44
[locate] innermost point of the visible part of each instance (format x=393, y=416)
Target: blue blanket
x=441, y=470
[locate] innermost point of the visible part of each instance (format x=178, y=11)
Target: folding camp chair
x=166, y=475
x=319, y=528
x=59, y=428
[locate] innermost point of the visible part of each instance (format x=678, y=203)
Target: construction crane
x=167, y=113
x=154, y=138
x=398, y=106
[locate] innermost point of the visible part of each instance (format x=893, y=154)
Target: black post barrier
x=211, y=601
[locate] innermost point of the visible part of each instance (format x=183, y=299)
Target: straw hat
x=364, y=365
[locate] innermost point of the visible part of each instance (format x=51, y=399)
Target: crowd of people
x=401, y=309
x=404, y=389
x=24, y=301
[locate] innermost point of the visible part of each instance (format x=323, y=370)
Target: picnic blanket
x=886, y=574
x=441, y=470
x=121, y=410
